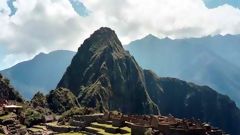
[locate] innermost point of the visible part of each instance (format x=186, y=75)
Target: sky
x=29, y=27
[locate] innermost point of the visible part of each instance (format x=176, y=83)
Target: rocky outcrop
x=7, y=92
x=103, y=75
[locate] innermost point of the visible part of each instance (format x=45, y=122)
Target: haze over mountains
x=212, y=61
x=42, y=73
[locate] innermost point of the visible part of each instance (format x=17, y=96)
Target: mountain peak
x=101, y=39
x=102, y=71
x=104, y=29
x=103, y=32
x=151, y=37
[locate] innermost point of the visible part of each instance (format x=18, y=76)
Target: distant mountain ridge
x=212, y=61
x=179, y=58
x=105, y=76
x=42, y=73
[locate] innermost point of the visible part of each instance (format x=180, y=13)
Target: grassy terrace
x=7, y=116
x=37, y=128
x=103, y=125
x=100, y=129
x=93, y=128
x=55, y=125
x=110, y=126
x=72, y=133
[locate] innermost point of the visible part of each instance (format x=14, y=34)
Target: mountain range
x=211, y=61
x=42, y=73
x=103, y=75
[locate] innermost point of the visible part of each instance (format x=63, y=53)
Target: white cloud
x=172, y=18
x=45, y=25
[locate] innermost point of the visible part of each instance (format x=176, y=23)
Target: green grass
x=55, y=124
x=110, y=126
x=96, y=129
x=126, y=129
x=72, y=133
x=40, y=127
x=35, y=129
x=104, y=125
x=7, y=116
x=102, y=131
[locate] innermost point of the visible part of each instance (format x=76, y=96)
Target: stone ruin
x=165, y=125
x=12, y=126
x=137, y=124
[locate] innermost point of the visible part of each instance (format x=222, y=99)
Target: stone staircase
x=13, y=127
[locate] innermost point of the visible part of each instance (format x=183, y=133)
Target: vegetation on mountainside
x=77, y=111
x=102, y=71
x=61, y=100
x=7, y=92
x=39, y=99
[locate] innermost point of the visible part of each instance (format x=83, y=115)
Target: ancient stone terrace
x=10, y=125
x=115, y=123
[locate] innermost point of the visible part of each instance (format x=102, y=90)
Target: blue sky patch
x=79, y=7
x=12, y=7
x=216, y=3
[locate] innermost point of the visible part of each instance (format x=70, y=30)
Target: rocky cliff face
x=187, y=100
x=7, y=92
x=103, y=75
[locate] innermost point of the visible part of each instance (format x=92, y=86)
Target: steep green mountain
x=42, y=73
x=103, y=75
x=187, y=100
x=212, y=61
x=7, y=92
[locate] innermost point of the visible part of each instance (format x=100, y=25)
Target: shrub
x=32, y=117
x=61, y=100
x=39, y=100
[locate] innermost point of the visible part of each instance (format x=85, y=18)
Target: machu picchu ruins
x=108, y=123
